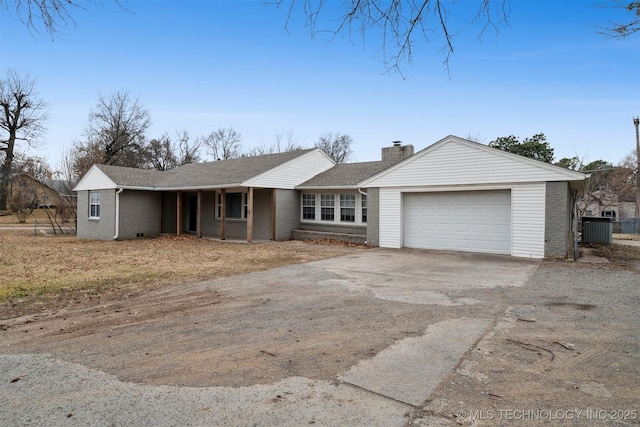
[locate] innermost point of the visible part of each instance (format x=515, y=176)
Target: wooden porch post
x=250, y=216
x=223, y=211
x=199, y=216
x=273, y=214
x=179, y=216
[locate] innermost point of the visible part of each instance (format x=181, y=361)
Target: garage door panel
x=499, y=229
x=479, y=228
x=478, y=221
x=481, y=212
x=501, y=212
x=481, y=245
x=502, y=247
x=445, y=241
x=444, y=227
x=462, y=227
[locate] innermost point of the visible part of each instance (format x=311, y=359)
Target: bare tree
x=283, y=143
x=474, y=137
x=188, y=151
x=223, y=143
x=66, y=212
x=609, y=184
x=400, y=24
x=624, y=177
x=161, y=153
x=164, y=153
x=22, y=118
x=117, y=126
x=337, y=146
x=83, y=155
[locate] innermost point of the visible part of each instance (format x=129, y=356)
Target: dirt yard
x=567, y=340
x=48, y=272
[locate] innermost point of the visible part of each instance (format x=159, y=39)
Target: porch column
x=199, y=216
x=223, y=211
x=179, y=216
x=273, y=213
x=250, y=216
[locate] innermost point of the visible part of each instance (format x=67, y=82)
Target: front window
x=364, y=207
x=608, y=214
x=327, y=207
x=345, y=208
x=94, y=204
x=348, y=207
x=235, y=205
x=309, y=206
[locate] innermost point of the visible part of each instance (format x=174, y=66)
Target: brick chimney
x=397, y=152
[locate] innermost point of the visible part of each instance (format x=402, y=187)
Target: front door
x=192, y=213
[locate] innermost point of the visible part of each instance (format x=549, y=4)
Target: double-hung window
x=334, y=207
x=327, y=207
x=363, y=204
x=94, y=204
x=347, y=207
x=309, y=206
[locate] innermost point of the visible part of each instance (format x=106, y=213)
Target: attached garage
x=463, y=196
x=469, y=221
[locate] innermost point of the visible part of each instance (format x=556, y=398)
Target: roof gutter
x=201, y=187
x=117, y=225
x=325, y=187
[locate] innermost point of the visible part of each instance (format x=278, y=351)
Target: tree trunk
x=5, y=172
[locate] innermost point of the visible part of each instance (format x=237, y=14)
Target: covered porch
x=239, y=213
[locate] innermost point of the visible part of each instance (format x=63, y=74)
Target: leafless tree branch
x=624, y=29
x=400, y=23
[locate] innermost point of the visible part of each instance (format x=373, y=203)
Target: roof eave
x=326, y=187
x=199, y=187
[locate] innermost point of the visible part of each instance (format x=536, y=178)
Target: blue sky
x=201, y=65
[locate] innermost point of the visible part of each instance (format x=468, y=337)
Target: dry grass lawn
x=51, y=266
x=7, y=218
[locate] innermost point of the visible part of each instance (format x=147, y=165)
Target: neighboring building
x=605, y=203
x=29, y=193
x=453, y=195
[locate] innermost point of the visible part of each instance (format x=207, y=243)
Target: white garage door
x=471, y=221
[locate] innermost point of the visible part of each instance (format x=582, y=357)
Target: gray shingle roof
x=220, y=173
x=225, y=172
x=346, y=174
x=131, y=177
x=62, y=186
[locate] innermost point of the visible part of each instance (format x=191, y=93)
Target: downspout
x=364, y=193
x=117, y=233
x=574, y=221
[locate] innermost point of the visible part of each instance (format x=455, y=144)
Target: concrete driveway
x=427, y=278
x=430, y=307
